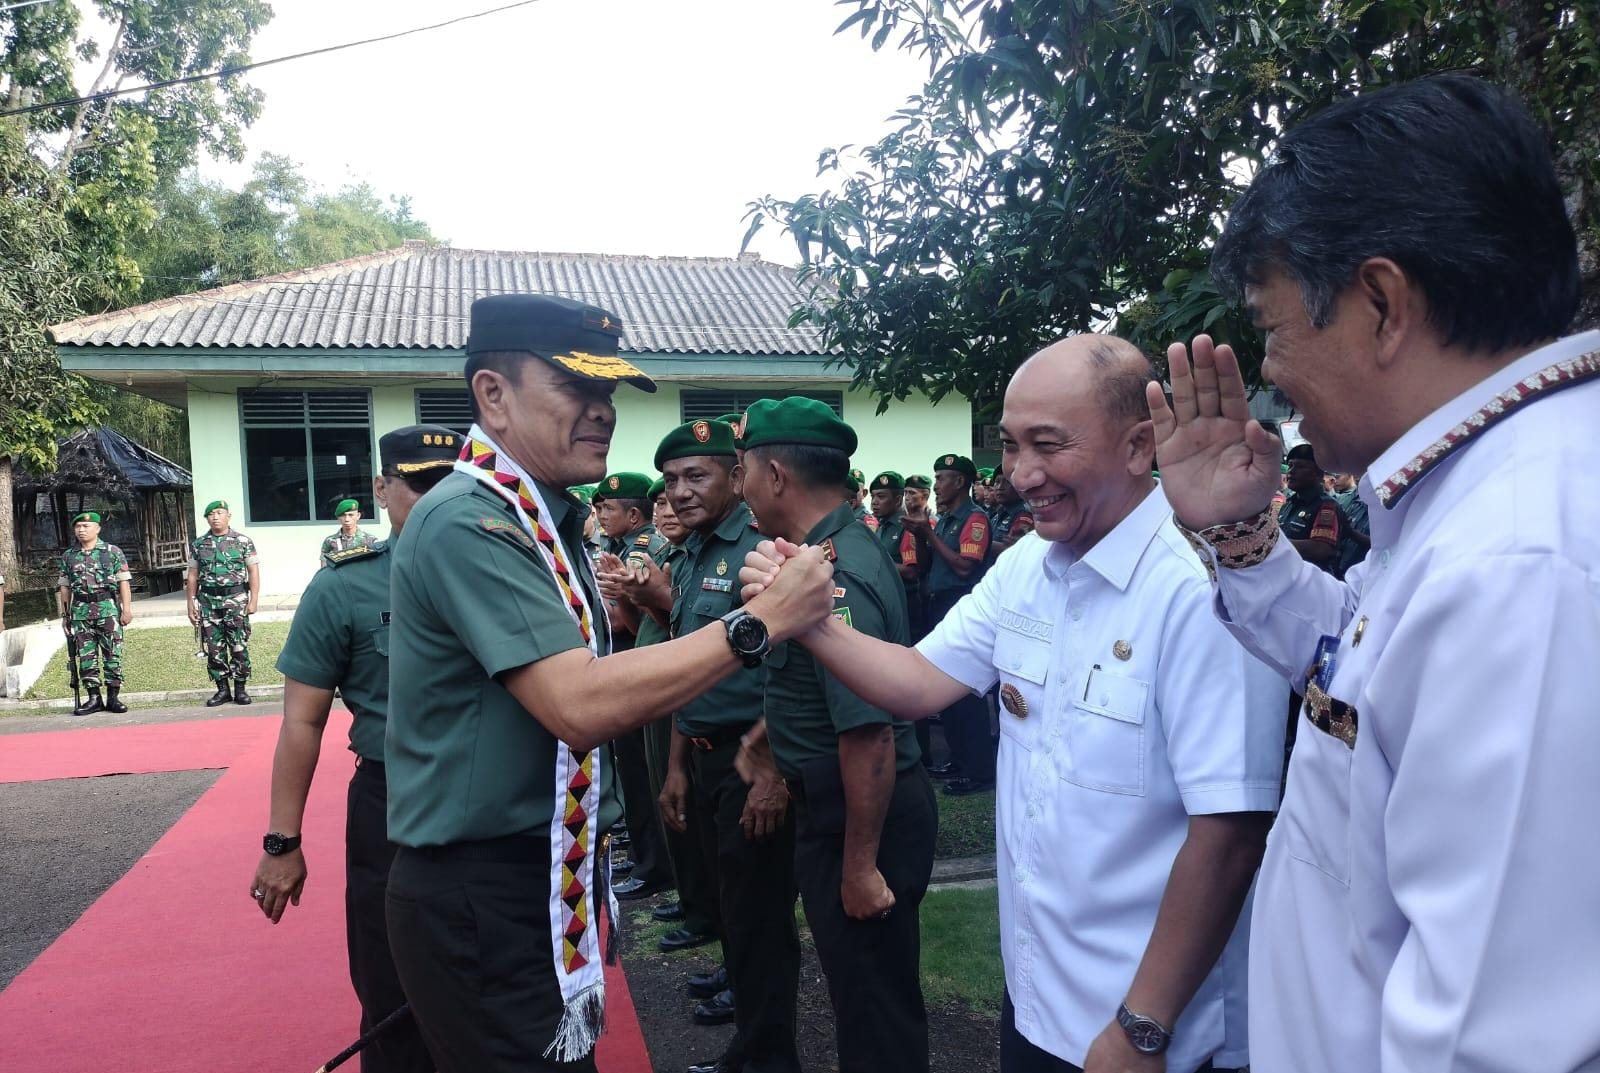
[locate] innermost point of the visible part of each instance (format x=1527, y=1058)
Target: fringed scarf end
x=582, y=1023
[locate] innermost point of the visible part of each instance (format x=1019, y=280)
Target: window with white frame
x=304, y=452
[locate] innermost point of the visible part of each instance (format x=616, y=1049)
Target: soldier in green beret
x=96, y=602
x=854, y=769
x=735, y=421
x=340, y=641
x=916, y=500
x=223, y=586
x=350, y=534
x=960, y=547
x=623, y=511
x=500, y=795
x=746, y=832
x=856, y=485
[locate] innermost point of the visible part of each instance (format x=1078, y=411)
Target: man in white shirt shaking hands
x=1141, y=747
x=1430, y=898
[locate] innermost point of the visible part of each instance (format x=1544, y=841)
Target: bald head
x=1113, y=371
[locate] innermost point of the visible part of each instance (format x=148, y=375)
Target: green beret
x=575, y=337
x=696, y=439
x=919, y=482
x=733, y=421
x=657, y=490
x=888, y=479
x=851, y=485
x=986, y=474
x=796, y=420
x=87, y=516
x=959, y=463
x=623, y=486
x=215, y=504
x=417, y=448
x=346, y=504
x=583, y=493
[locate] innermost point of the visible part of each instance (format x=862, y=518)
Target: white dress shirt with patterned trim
x=1131, y=710
x=1430, y=899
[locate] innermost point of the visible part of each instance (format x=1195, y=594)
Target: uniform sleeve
x=327, y=545
x=61, y=571
x=194, y=554
x=1328, y=526
x=974, y=540
x=250, y=557
x=962, y=644
x=859, y=609
x=119, y=565
x=321, y=636
x=1492, y=854
x=1222, y=712
x=493, y=590
x=1281, y=607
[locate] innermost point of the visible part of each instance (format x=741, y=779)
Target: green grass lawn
x=961, y=948
x=162, y=660
x=966, y=826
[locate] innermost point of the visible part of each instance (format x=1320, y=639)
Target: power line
x=223, y=72
x=26, y=3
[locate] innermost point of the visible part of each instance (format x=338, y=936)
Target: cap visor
x=602, y=368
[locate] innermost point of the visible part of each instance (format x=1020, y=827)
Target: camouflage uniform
x=338, y=542
x=92, y=578
x=222, y=569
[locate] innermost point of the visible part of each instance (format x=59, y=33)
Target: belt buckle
x=703, y=744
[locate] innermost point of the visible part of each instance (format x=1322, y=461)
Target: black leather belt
x=716, y=739
x=512, y=849
x=223, y=590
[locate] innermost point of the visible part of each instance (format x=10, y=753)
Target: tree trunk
x=8, y=528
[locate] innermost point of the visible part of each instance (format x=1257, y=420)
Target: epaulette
x=642, y=540
x=350, y=555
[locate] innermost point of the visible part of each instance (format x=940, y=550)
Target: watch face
x=1147, y=1037
x=749, y=634
x=273, y=844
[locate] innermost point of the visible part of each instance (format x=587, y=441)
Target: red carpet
x=174, y=970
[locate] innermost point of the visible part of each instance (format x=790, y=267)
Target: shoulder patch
x=642, y=540
x=360, y=551
x=501, y=525
x=830, y=552
x=843, y=615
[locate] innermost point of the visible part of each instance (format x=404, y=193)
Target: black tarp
x=102, y=461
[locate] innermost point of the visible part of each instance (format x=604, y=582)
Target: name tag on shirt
x=1326, y=661
x=717, y=584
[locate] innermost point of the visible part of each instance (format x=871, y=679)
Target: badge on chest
x=716, y=584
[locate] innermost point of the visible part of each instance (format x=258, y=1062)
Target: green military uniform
x=222, y=564
x=872, y=966
x=495, y=898
x=754, y=878
x=92, y=578
x=964, y=529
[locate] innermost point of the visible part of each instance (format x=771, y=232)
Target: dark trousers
x=966, y=722
x=756, y=892
x=917, y=617
x=1017, y=1055
x=368, y=853
x=697, y=890
x=872, y=965
x=639, y=810
x=469, y=925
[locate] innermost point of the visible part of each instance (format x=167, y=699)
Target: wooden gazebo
x=147, y=502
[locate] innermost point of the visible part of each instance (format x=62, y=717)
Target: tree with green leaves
x=1068, y=163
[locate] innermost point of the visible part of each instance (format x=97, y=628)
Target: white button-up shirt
x=1430, y=899
x=1136, y=711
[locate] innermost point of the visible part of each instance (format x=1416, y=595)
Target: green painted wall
x=907, y=437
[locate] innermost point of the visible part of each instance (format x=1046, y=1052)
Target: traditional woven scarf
x=574, y=924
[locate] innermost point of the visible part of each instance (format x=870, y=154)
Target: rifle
x=72, y=652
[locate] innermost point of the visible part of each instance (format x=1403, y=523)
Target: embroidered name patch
x=1022, y=624
x=500, y=525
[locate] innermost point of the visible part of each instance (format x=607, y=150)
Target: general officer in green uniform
x=746, y=832
x=96, y=602
x=960, y=546
x=340, y=641
x=350, y=534
x=622, y=508
x=223, y=585
x=865, y=813
x=502, y=691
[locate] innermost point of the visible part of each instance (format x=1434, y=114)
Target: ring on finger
x=258, y=894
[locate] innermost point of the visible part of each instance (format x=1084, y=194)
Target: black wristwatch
x=1147, y=1035
x=277, y=845
x=747, y=636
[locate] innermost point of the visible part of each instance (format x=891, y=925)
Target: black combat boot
x=221, y=695
x=239, y=695
x=112, y=703
x=90, y=706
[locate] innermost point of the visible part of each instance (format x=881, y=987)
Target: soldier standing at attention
x=95, y=575
x=222, y=586
x=340, y=640
x=499, y=791
x=852, y=768
x=746, y=832
x=622, y=508
x=350, y=534
x=910, y=554
x=960, y=545
x=856, y=484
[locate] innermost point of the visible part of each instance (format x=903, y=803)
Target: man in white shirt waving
x=1430, y=899
x=1141, y=747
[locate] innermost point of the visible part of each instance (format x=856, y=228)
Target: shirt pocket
x=1315, y=817
x=1107, y=735
x=1024, y=666
x=707, y=606
x=380, y=640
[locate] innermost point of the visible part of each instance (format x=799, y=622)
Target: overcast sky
x=596, y=126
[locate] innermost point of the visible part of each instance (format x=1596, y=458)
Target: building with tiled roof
x=289, y=380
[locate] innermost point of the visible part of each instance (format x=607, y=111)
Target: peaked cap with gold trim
x=577, y=338
x=418, y=448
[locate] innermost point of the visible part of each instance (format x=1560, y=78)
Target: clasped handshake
x=788, y=586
